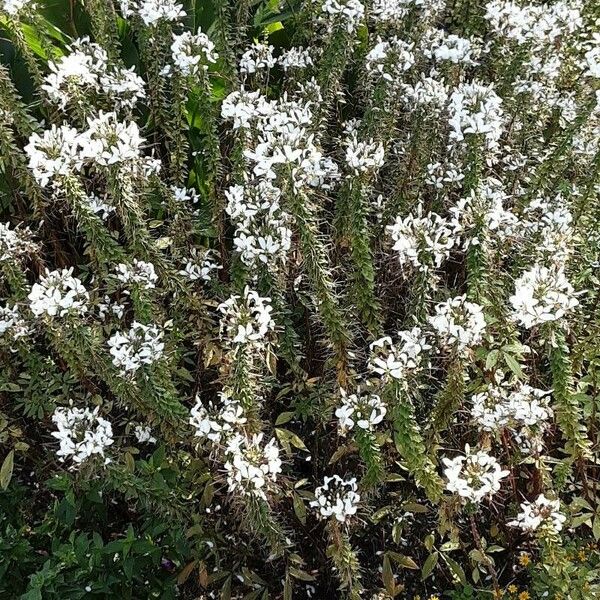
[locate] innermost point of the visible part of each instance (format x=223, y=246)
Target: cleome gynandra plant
x=299, y=299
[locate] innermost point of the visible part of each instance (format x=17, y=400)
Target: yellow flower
x=524, y=559
x=498, y=594
x=524, y=596
x=512, y=589
x=434, y=597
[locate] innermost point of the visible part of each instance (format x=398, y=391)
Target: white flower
x=109, y=141
x=365, y=410
x=336, y=497
x=459, y=324
x=542, y=295
x=218, y=424
x=143, y=434
x=475, y=108
x=519, y=408
x=390, y=59
x=257, y=57
x=54, y=154
x=14, y=7
x=364, y=156
x=422, y=242
x=12, y=325
x=15, y=243
x=250, y=466
x=85, y=72
x=542, y=512
x=393, y=11
x=201, y=265
x=398, y=360
x=246, y=319
x=349, y=13
x=263, y=233
x=192, y=52
x=153, y=11
x=473, y=476
x=58, y=293
x=295, y=58
x=139, y=273
x=141, y=345
x=81, y=432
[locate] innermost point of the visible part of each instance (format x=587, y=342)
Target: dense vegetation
x=299, y=299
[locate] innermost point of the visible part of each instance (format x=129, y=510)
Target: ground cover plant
x=299, y=299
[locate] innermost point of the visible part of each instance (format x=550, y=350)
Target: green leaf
x=513, y=365
x=403, y=561
x=456, y=569
x=6, y=471
x=299, y=508
x=429, y=566
x=388, y=576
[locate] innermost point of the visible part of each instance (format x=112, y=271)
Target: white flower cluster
x=109, y=141
x=295, y=58
x=85, y=72
x=257, y=58
x=201, y=265
x=523, y=409
x=390, y=59
x=542, y=512
x=280, y=144
x=15, y=243
x=442, y=46
x=251, y=466
x=217, y=424
x=143, y=434
x=366, y=156
x=336, y=497
x=459, y=324
x=60, y=294
x=106, y=306
x=82, y=433
x=59, y=152
x=141, y=345
x=476, y=109
x=349, y=14
x=592, y=57
x=541, y=24
x=14, y=7
x=542, y=295
x=398, y=360
x=429, y=91
x=366, y=410
x=548, y=224
x=139, y=273
x=481, y=217
x=393, y=11
x=13, y=326
x=192, y=52
x=262, y=232
x=152, y=12
x=54, y=154
x=421, y=242
x=246, y=319
x=474, y=476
